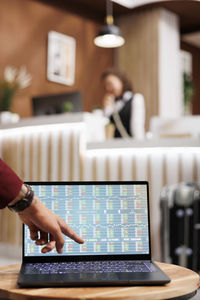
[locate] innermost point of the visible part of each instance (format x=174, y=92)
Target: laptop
x=113, y=220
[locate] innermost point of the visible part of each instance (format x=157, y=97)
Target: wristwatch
x=24, y=202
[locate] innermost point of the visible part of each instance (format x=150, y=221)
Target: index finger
x=68, y=231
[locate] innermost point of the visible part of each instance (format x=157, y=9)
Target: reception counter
x=161, y=162
x=43, y=151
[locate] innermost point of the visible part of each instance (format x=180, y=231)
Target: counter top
x=93, y=122
x=148, y=143
x=48, y=119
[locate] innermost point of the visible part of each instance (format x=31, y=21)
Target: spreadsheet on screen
x=111, y=218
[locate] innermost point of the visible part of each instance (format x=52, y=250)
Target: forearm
x=108, y=111
x=108, y=104
x=10, y=185
x=20, y=195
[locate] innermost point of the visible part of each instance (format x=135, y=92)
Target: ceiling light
x=109, y=36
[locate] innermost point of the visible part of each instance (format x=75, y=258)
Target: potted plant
x=67, y=106
x=188, y=91
x=13, y=80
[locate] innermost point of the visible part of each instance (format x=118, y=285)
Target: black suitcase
x=180, y=225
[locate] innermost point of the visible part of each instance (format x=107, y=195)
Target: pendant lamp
x=109, y=36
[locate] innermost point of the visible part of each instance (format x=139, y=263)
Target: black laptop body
x=113, y=220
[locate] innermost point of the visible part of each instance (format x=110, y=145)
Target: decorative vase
x=7, y=117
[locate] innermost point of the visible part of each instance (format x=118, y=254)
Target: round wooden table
x=183, y=285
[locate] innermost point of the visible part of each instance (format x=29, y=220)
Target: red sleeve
x=10, y=184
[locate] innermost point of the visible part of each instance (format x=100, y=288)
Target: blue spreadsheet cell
x=112, y=219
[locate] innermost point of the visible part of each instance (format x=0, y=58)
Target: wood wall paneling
x=23, y=37
x=195, y=74
x=139, y=56
x=144, y=58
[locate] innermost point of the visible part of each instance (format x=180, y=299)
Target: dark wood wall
x=196, y=75
x=24, y=25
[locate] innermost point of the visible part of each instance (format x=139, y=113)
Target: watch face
x=22, y=204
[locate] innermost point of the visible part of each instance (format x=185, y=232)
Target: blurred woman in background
x=125, y=109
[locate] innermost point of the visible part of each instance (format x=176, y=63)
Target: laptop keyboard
x=127, y=266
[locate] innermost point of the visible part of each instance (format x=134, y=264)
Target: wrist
x=23, y=199
x=33, y=207
x=21, y=194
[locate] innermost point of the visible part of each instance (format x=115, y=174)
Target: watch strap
x=24, y=202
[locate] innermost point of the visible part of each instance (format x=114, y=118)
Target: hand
x=42, y=220
x=108, y=100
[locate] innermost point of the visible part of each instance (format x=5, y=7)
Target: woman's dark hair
x=127, y=86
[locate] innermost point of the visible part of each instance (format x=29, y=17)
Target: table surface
x=183, y=282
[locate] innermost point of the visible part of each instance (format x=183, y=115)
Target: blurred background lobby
x=53, y=126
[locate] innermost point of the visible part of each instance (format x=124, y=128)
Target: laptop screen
x=111, y=217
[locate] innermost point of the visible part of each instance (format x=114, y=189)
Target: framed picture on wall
x=61, y=54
